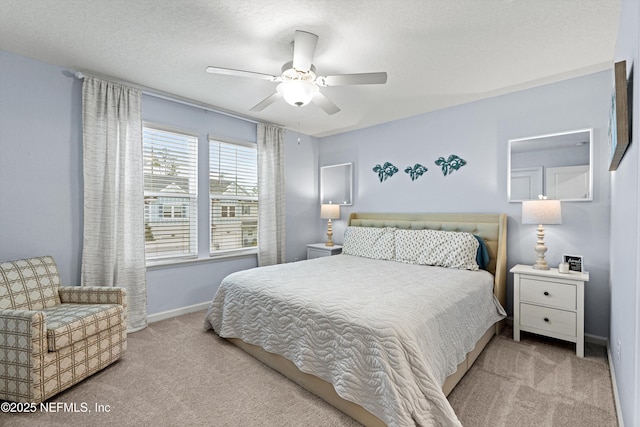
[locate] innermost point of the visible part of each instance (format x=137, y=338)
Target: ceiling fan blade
x=266, y=102
x=323, y=102
x=241, y=73
x=353, y=79
x=304, y=47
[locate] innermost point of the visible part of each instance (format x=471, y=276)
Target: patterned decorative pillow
x=369, y=242
x=451, y=249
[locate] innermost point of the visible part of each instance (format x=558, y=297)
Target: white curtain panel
x=113, y=248
x=271, y=193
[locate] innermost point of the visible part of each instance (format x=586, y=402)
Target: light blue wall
x=40, y=163
x=41, y=179
x=303, y=204
x=625, y=237
x=478, y=132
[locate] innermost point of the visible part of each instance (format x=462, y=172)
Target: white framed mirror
x=336, y=184
x=558, y=165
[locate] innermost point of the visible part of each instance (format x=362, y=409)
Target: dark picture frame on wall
x=618, y=116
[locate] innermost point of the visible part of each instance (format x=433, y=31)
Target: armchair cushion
x=70, y=323
x=29, y=284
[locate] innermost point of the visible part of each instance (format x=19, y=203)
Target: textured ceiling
x=437, y=53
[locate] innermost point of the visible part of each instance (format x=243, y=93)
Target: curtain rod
x=174, y=98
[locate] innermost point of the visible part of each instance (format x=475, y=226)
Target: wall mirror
x=559, y=166
x=336, y=184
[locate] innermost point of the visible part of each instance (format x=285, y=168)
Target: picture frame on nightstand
x=576, y=262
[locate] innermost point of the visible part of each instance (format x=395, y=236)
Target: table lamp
x=329, y=212
x=541, y=211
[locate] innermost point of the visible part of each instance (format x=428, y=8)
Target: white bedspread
x=385, y=334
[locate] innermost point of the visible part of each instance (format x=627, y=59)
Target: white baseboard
x=156, y=317
x=595, y=339
x=616, y=399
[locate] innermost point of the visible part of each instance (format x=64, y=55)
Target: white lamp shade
x=541, y=211
x=330, y=211
x=297, y=92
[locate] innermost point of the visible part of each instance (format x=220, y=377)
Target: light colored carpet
x=174, y=374
x=536, y=382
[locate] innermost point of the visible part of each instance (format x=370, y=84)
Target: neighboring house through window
x=233, y=188
x=170, y=193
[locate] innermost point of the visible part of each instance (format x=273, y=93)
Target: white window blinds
x=170, y=194
x=233, y=189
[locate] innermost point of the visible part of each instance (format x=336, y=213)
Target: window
x=228, y=211
x=233, y=189
x=171, y=210
x=170, y=193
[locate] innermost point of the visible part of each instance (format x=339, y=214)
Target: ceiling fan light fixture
x=298, y=83
x=297, y=92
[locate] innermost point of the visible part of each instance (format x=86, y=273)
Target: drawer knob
x=546, y=293
x=546, y=319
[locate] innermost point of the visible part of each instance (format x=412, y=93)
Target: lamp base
x=540, y=266
x=329, y=234
x=541, y=263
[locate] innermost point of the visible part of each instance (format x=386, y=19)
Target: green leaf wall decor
x=453, y=163
x=416, y=171
x=385, y=171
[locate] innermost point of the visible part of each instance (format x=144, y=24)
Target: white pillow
x=449, y=249
x=369, y=242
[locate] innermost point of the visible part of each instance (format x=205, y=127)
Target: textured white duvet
x=385, y=334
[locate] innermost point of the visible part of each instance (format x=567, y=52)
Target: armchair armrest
x=24, y=347
x=94, y=295
x=15, y=325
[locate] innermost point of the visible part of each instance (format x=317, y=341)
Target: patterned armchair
x=52, y=336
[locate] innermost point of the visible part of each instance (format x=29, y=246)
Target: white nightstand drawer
x=548, y=293
x=316, y=253
x=317, y=250
x=548, y=319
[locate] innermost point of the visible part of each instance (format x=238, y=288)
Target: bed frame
x=492, y=228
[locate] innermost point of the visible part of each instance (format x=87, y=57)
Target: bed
x=382, y=340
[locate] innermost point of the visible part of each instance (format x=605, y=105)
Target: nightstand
x=549, y=303
x=316, y=250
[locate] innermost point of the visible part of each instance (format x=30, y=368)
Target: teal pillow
x=482, y=257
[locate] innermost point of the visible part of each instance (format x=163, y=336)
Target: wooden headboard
x=492, y=228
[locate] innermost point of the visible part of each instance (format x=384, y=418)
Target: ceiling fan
x=298, y=83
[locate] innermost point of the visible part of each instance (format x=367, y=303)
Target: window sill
x=162, y=264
